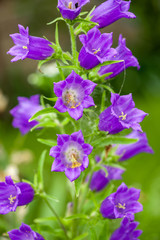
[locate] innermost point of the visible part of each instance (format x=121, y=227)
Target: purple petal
x=88, y=102
x=58, y=88
x=72, y=173
x=87, y=148
x=76, y=113
x=85, y=161
x=77, y=137
x=88, y=86
x=26, y=195
x=59, y=105
x=58, y=166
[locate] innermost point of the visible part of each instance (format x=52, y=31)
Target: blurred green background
x=19, y=155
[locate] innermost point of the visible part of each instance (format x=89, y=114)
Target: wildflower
x=71, y=155
x=27, y=46
x=126, y=151
x=122, y=203
x=70, y=9
x=25, y=233
x=123, y=53
x=24, y=111
x=96, y=48
x=121, y=114
x=73, y=95
x=100, y=180
x=110, y=11
x=13, y=195
x=127, y=231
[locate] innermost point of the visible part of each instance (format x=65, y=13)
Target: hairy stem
x=73, y=44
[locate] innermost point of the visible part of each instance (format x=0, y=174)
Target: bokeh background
x=19, y=154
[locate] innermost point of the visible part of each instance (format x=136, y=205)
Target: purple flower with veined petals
x=70, y=9
x=110, y=11
x=27, y=46
x=96, y=48
x=127, y=231
x=71, y=155
x=100, y=180
x=24, y=111
x=123, y=53
x=13, y=195
x=126, y=151
x=121, y=114
x=73, y=95
x=122, y=203
x=24, y=233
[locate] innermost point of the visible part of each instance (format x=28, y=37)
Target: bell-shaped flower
x=24, y=111
x=96, y=48
x=110, y=11
x=27, y=46
x=13, y=195
x=126, y=151
x=70, y=9
x=24, y=233
x=121, y=114
x=73, y=95
x=123, y=53
x=122, y=203
x=71, y=155
x=99, y=179
x=127, y=231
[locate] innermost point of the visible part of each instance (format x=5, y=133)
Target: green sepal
x=48, y=142
x=82, y=236
x=78, y=183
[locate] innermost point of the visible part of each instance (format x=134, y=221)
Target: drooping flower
x=24, y=233
x=24, y=111
x=70, y=9
x=100, y=180
x=123, y=53
x=127, y=231
x=73, y=95
x=121, y=114
x=110, y=11
x=126, y=151
x=71, y=155
x=27, y=46
x=122, y=203
x=13, y=195
x=96, y=48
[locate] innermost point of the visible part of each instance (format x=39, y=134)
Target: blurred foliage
x=142, y=36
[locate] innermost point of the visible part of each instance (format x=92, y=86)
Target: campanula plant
x=80, y=138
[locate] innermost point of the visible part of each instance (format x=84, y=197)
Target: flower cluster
x=72, y=154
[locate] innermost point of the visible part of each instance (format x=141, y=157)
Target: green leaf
x=44, y=124
x=103, y=101
x=104, y=141
x=45, y=219
x=106, y=87
x=55, y=20
x=77, y=216
x=48, y=142
x=78, y=183
x=40, y=169
x=82, y=236
x=42, y=112
x=51, y=99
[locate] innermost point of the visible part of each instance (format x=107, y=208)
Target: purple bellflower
x=121, y=114
x=13, y=195
x=71, y=155
x=126, y=151
x=123, y=53
x=27, y=46
x=110, y=11
x=24, y=111
x=73, y=95
x=122, y=203
x=96, y=48
x=127, y=231
x=24, y=233
x=70, y=9
x=99, y=179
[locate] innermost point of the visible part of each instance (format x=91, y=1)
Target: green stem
x=74, y=226
x=56, y=215
x=73, y=44
x=60, y=70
